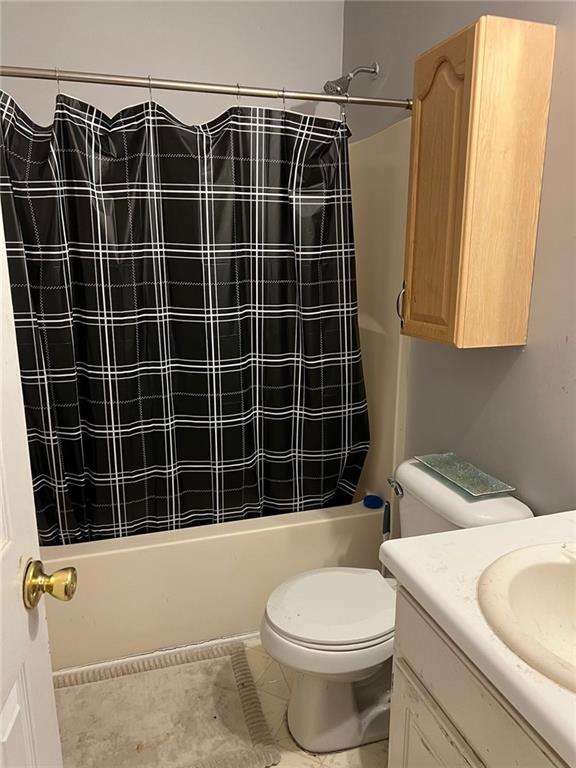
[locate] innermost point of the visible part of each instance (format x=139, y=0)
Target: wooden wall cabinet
x=478, y=136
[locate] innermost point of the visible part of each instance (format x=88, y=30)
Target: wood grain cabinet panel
x=477, y=153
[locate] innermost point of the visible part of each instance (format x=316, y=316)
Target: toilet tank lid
x=454, y=504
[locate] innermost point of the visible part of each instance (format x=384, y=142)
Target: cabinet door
x=440, y=119
x=421, y=736
x=478, y=136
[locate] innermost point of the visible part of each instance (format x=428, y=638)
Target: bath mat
x=196, y=708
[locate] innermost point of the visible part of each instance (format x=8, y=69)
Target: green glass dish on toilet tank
x=464, y=475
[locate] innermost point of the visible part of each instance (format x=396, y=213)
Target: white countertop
x=441, y=571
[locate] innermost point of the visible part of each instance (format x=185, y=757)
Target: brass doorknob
x=61, y=584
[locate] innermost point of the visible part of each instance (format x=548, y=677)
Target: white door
x=28, y=726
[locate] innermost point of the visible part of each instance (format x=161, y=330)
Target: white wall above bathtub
x=295, y=45
x=379, y=175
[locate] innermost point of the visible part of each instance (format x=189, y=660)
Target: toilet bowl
x=335, y=628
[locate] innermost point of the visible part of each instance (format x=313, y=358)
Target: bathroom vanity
x=461, y=697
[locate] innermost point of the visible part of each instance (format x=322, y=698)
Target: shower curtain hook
x=238, y=94
x=284, y=99
x=150, y=89
x=343, y=105
x=57, y=73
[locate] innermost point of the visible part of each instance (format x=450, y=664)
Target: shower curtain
x=185, y=308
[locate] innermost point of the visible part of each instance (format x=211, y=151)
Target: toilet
x=335, y=626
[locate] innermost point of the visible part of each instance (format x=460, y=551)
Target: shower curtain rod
x=184, y=85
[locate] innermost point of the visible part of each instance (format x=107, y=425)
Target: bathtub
x=170, y=589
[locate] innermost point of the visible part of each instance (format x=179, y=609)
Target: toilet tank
x=430, y=504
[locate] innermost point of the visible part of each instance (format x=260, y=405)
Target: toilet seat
x=338, y=609
x=332, y=648
x=358, y=661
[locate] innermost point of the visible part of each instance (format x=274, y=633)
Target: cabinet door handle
x=400, y=304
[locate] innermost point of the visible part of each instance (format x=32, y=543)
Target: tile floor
x=273, y=685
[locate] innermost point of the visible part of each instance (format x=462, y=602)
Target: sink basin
x=529, y=599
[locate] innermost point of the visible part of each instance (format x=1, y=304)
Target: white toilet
x=335, y=626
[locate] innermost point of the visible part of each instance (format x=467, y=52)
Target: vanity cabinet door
x=431, y=673
x=421, y=736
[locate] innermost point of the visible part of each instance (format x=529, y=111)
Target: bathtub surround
x=186, y=313
x=167, y=584
x=379, y=174
x=194, y=708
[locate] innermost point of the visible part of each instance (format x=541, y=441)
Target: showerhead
x=338, y=87
x=341, y=85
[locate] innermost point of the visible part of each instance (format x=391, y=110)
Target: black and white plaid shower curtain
x=186, y=316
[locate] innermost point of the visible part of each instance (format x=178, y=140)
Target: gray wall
x=276, y=44
x=511, y=411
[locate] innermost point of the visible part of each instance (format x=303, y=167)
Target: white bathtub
x=163, y=590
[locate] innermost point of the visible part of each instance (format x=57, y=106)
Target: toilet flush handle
x=396, y=487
